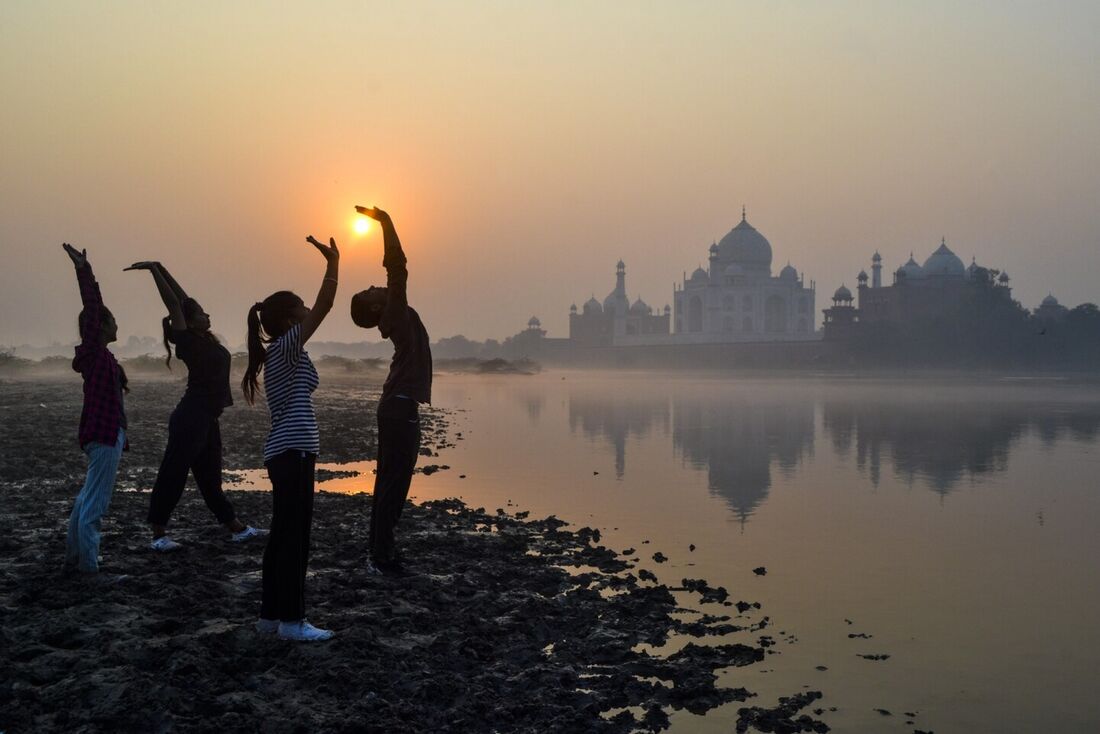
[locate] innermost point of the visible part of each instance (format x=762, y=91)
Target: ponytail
x=256, y=354
x=166, y=325
x=267, y=320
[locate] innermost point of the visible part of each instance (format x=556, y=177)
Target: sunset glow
x=360, y=225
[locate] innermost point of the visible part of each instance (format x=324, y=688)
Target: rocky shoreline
x=506, y=624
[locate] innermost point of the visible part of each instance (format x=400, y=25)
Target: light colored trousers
x=82, y=543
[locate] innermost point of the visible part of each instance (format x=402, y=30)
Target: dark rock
x=760, y=571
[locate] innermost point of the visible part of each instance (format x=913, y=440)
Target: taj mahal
x=735, y=299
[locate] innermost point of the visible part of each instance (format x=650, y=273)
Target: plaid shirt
x=103, y=415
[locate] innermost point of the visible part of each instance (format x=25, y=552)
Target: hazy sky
x=523, y=148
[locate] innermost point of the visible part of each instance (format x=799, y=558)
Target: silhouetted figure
x=194, y=433
x=102, y=419
x=284, y=324
x=408, y=384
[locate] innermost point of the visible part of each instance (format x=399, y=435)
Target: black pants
x=195, y=445
x=287, y=554
x=398, y=446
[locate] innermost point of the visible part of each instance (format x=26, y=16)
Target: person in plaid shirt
x=102, y=421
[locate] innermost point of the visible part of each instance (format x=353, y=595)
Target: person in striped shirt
x=284, y=324
x=102, y=420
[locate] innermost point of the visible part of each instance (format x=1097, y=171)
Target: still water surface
x=953, y=522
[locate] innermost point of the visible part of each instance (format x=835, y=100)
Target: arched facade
x=738, y=298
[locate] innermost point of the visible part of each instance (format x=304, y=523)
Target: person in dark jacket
x=408, y=384
x=102, y=432
x=194, y=433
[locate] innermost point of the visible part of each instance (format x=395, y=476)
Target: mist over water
x=951, y=521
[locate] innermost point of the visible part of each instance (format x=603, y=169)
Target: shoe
x=303, y=631
x=267, y=626
x=164, y=544
x=247, y=534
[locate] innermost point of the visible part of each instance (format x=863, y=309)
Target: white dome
x=1050, y=300
x=842, y=294
x=592, y=306
x=788, y=273
x=943, y=262
x=640, y=307
x=699, y=274
x=533, y=322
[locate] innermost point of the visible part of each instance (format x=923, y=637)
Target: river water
x=953, y=522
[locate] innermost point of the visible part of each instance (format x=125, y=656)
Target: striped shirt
x=289, y=381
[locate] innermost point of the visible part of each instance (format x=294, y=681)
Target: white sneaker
x=267, y=626
x=303, y=631
x=164, y=544
x=247, y=534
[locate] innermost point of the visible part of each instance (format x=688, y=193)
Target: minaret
x=876, y=270
x=620, y=279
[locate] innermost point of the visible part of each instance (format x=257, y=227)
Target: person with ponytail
x=102, y=420
x=194, y=433
x=278, y=329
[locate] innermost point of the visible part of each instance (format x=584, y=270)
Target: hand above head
x=143, y=265
x=79, y=257
x=330, y=251
x=375, y=213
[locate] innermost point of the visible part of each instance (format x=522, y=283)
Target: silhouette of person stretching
x=408, y=384
x=194, y=433
x=283, y=322
x=102, y=419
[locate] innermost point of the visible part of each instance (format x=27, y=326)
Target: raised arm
x=394, y=261
x=327, y=294
x=89, y=294
x=173, y=301
x=176, y=288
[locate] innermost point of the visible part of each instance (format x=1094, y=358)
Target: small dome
x=911, y=269
x=533, y=322
x=1004, y=278
x=842, y=294
x=1050, y=300
x=714, y=249
x=943, y=262
x=788, y=273
x=862, y=277
x=668, y=309
x=699, y=274
x=573, y=308
x=876, y=258
x=593, y=306
x=640, y=307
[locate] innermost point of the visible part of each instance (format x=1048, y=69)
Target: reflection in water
x=735, y=440
x=738, y=440
x=941, y=443
x=740, y=436
x=616, y=420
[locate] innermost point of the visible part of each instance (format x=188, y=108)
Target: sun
x=361, y=225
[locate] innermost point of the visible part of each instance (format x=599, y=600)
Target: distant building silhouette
x=735, y=299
